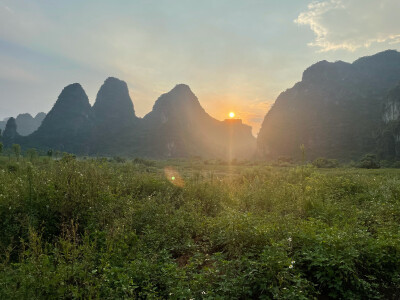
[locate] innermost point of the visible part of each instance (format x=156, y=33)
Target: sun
x=231, y=114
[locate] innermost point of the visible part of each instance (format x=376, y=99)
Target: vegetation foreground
x=196, y=230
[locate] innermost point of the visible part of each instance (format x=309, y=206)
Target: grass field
x=194, y=229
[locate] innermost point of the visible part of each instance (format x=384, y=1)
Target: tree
x=17, y=150
x=32, y=153
x=323, y=162
x=303, y=153
x=1, y=147
x=50, y=153
x=369, y=161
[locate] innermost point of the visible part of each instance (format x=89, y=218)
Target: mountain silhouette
x=180, y=126
x=68, y=123
x=10, y=134
x=113, y=106
x=389, y=135
x=26, y=124
x=338, y=110
x=177, y=126
x=335, y=111
x=113, y=118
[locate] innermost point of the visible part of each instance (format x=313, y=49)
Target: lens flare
x=231, y=114
x=173, y=176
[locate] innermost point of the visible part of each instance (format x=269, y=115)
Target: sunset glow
x=231, y=114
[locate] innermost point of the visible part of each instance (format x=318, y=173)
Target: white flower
x=203, y=293
x=291, y=267
x=289, y=239
x=293, y=262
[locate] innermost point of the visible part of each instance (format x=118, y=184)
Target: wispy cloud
x=352, y=24
x=8, y=9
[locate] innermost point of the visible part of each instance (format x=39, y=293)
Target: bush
x=12, y=167
x=325, y=163
x=369, y=161
x=285, y=159
x=93, y=229
x=119, y=159
x=145, y=162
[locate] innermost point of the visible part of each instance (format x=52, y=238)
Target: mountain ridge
x=335, y=110
x=177, y=126
x=338, y=110
x=26, y=123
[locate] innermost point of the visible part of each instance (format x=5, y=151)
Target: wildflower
x=203, y=293
x=291, y=267
x=293, y=262
x=289, y=239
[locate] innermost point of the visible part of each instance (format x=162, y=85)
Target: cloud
x=230, y=52
x=352, y=24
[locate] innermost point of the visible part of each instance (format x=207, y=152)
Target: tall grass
x=95, y=229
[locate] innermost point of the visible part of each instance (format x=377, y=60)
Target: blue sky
x=235, y=55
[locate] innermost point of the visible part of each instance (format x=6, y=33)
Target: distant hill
x=10, y=134
x=3, y=124
x=389, y=135
x=176, y=127
x=26, y=124
x=114, y=120
x=179, y=125
x=336, y=110
x=67, y=124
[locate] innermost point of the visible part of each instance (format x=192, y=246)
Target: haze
x=237, y=56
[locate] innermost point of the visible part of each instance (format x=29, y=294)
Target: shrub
x=119, y=159
x=12, y=167
x=145, y=162
x=323, y=162
x=369, y=161
x=285, y=159
x=93, y=229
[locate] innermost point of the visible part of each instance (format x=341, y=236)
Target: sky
x=236, y=55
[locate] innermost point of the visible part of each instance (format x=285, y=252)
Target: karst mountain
x=177, y=126
x=26, y=124
x=337, y=110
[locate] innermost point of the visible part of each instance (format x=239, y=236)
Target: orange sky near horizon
x=235, y=55
x=251, y=111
